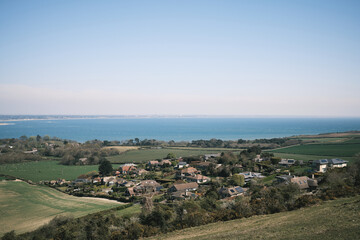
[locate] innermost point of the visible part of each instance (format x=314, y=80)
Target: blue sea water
x=177, y=128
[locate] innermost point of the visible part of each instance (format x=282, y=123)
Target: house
x=130, y=192
x=107, y=190
x=201, y=165
x=120, y=181
x=198, y=178
x=109, y=180
x=153, y=163
x=127, y=169
x=190, y=171
x=53, y=182
x=141, y=172
x=127, y=184
x=183, y=195
x=212, y=155
x=322, y=165
x=96, y=180
x=144, y=187
x=181, y=165
x=80, y=181
x=231, y=191
x=258, y=158
x=287, y=162
x=61, y=181
x=337, y=163
x=83, y=160
x=184, y=187
x=303, y=182
x=165, y=162
x=250, y=175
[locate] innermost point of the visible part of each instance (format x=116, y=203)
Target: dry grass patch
x=122, y=149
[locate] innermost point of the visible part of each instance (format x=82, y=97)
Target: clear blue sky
x=180, y=57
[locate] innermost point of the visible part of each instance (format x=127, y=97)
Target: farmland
x=45, y=170
x=337, y=219
x=144, y=155
x=341, y=149
x=25, y=207
x=305, y=157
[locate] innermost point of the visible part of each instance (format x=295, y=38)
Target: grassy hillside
x=45, y=170
x=144, y=155
x=337, y=219
x=25, y=207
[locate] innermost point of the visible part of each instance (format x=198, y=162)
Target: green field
x=306, y=158
x=25, y=207
x=128, y=212
x=144, y=155
x=45, y=170
x=342, y=149
x=332, y=220
x=323, y=140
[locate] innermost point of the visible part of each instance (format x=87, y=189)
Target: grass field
x=25, y=207
x=128, y=212
x=332, y=220
x=144, y=155
x=306, y=158
x=323, y=140
x=46, y=170
x=342, y=149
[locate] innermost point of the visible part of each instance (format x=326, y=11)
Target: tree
x=171, y=156
x=105, y=167
x=275, y=160
x=237, y=180
x=38, y=138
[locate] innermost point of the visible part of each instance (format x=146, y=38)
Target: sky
x=243, y=58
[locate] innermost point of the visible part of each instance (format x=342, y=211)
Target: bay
x=177, y=129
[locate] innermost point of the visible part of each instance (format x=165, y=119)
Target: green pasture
x=342, y=149
x=144, y=155
x=46, y=170
x=307, y=158
x=323, y=140
x=25, y=207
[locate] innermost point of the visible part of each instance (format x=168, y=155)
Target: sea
x=177, y=129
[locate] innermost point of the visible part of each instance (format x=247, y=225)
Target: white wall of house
x=322, y=168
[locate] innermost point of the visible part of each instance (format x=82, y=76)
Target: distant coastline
x=13, y=118
x=84, y=128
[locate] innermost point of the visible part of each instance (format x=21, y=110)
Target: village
x=175, y=179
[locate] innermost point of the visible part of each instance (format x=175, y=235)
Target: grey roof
x=336, y=161
x=321, y=161
x=239, y=189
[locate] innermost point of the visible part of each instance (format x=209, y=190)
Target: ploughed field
x=332, y=220
x=25, y=207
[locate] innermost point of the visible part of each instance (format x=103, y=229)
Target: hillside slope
x=25, y=207
x=337, y=219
